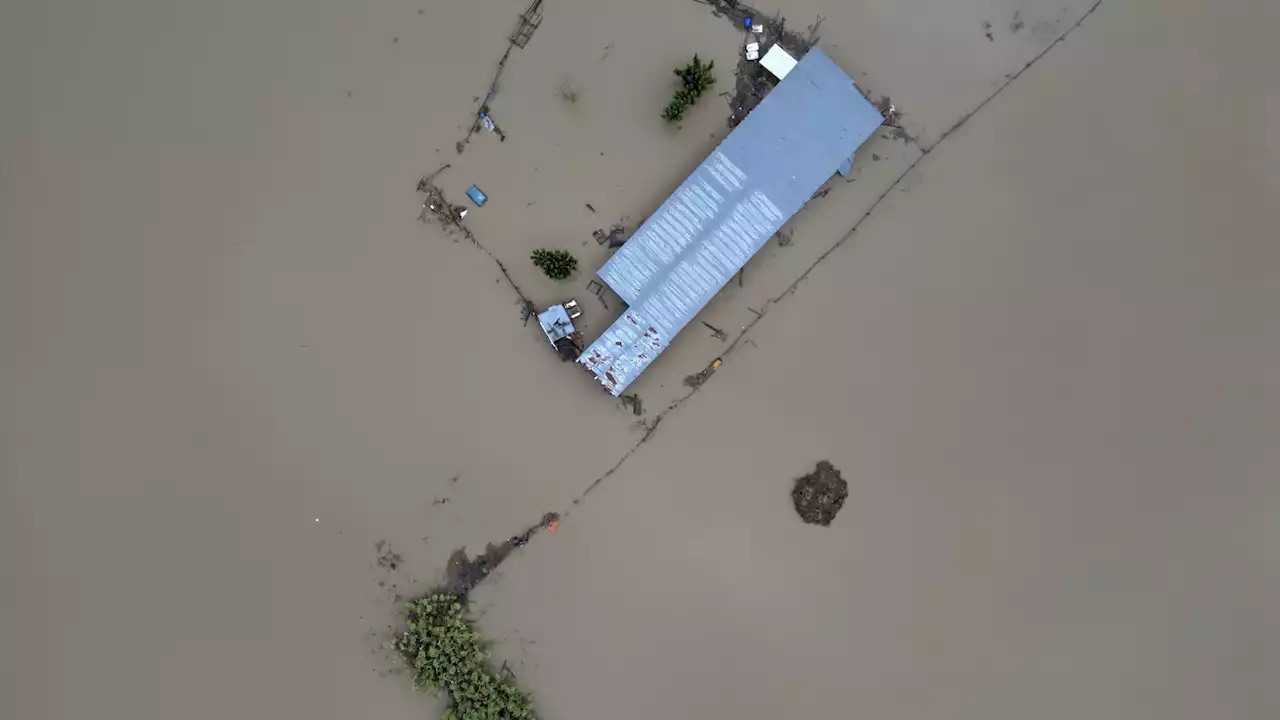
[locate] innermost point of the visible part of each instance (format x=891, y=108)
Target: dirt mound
x=820, y=494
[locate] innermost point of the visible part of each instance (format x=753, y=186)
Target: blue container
x=476, y=196
x=746, y=22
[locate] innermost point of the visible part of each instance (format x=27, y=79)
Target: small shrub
x=695, y=79
x=555, y=264
x=567, y=92
x=445, y=654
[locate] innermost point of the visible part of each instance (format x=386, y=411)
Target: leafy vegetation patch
x=445, y=654
x=695, y=79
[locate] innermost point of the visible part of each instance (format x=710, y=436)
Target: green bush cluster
x=556, y=264
x=695, y=79
x=445, y=654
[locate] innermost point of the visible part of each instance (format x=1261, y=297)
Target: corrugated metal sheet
x=759, y=176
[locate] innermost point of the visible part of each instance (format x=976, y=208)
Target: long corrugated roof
x=759, y=176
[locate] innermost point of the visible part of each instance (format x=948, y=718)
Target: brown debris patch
x=820, y=495
x=695, y=381
x=450, y=219
x=465, y=573
x=751, y=81
x=388, y=559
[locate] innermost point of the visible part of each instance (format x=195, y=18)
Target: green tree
x=695, y=79
x=555, y=264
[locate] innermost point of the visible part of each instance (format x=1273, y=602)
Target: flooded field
x=249, y=403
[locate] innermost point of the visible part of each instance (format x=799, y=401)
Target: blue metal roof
x=804, y=130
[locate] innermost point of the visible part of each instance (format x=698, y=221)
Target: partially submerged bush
x=556, y=264
x=567, y=92
x=445, y=654
x=695, y=79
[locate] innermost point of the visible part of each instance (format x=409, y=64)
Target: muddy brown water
x=232, y=361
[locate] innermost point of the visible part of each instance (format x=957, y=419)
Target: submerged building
x=803, y=132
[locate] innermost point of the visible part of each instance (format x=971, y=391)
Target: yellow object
x=716, y=363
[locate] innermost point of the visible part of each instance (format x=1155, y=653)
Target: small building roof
x=696, y=241
x=555, y=322
x=778, y=61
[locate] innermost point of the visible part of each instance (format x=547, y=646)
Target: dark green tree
x=556, y=264
x=695, y=79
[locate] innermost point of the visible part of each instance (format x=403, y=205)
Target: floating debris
x=753, y=81
x=477, y=196
x=436, y=204
x=388, y=559
x=614, y=237
x=695, y=381
x=632, y=401
x=819, y=495
x=465, y=573
x=529, y=21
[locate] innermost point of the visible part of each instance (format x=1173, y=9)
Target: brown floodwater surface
x=248, y=402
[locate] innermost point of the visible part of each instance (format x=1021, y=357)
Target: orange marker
x=551, y=526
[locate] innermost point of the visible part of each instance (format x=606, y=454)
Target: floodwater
x=232, y=363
